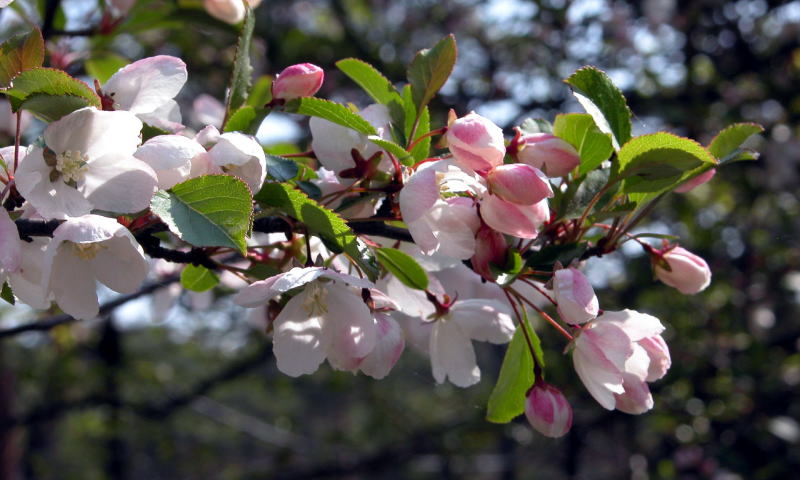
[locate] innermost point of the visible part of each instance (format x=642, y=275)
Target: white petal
x=10, y=243
x=94, y=133
x=147, y=84
x=420, y=192
x=636, y=325
x=349, y=327
x=387, y=350
x=73, y=285
x=332, y=144
x=50, y=199
x=638, y=364
x=171, y=157
x=484, y=320
x=87, y=229
x=297, y=342
x=601, y=383
x=119, y=184
x=120, y=264
x=452, y=355
x=27, y=283
x=166, y=117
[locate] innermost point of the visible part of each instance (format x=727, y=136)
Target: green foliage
x=322, y=222
x=726, y=145
x=422, y=149
x=241, y=77
x=20, y=53
x=280, y=168
x=261, y=93
x=546, y=258
x=331, y=111
x=603, y=101
x=6, y=294
x=655, y=163
x=403, y=266
x=370, y=79
x=536, y=125
x=103, y=65
x=430, y=69
x=402, y=155
x=198, y=278
x=208, y=211
x=507, y=400
x=580, y=131
x=49, y=93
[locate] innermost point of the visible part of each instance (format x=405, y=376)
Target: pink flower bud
x=490, y=247
x=552, y=155
x=575, y=296
x=229, y=11
x=688, y=273
x=548, y=411
x=519, y=183
x=522, y=221
x=476, y=143
x=301, y=80
x=696, y=181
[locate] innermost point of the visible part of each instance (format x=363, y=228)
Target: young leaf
x=603, y=101
x=430, y=69
x=423, y=149
x=261, y=93
x=280, y=168
x=580, y=131
x=246, y=119
x=6, y=294
x=241, y=77
x=333, y=112
x=402, y=155
x=207, y=211
x=726, y=145
x=326, y=224
x=370, y=79
x=507, y=400
x=198, y=278
x=403, y=266
x=655, y=163
x=49, y=93
x=20, y=53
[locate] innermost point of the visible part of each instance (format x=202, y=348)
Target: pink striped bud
x=519, y=183
x=301, y=80
x=696, y=181
x=490, y=247
x=552, y=155
x=548, y=411
x=522, y=221
x=476, y=143
x=688, y=273
x=575, y=296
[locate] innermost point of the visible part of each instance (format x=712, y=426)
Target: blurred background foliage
x=194, y=393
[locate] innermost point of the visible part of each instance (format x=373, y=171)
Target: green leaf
x=242, y=74
x=580, y=131
x=102, y=66
x=246, y=119
x=208, y=211
x=409, y=110
x=370, y=79
x=261, y=93
x=399, y=152
x=280, y=168
x=333, y=112
x=403, y=266
x=20, y=53
x=574, y=204
x=546, y=257
x=310, y=189
x=49, y=93
x=652, y=164
x=423, y=149
x=7, y=295
x=507, y=400
x=536, y=125
x=726, y=146
x=603, y=101
x=322, y=222
x=198, y=278
x=430, y=69
x=509, y=272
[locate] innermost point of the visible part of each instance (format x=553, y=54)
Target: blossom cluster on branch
x=390, y=231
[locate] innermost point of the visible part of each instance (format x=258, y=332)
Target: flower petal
x=297, y=341
x=94, y=133
x=484, y=320
x=452, y=355
x=120, y=264
x=146, y=85
x=119, y=184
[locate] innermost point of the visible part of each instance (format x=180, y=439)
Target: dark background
x=195, y=394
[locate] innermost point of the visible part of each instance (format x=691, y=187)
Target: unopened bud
x=548, y=411
x=301, y=80
x=687, y=272
x=490, y=247
x=476, y=143
x=229, y=11
x=519, y=183
x=552, y=155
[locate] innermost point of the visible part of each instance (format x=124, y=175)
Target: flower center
x=314, y=303
x=86, y=251
x=70, y=166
